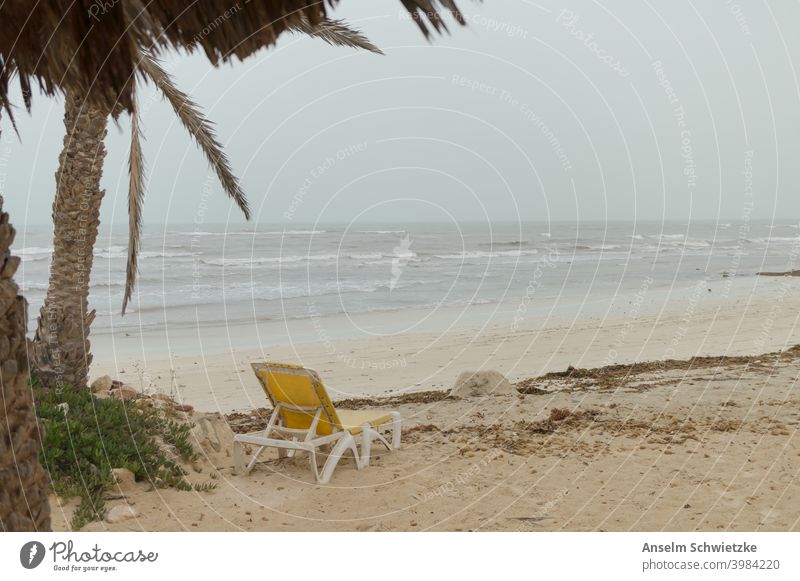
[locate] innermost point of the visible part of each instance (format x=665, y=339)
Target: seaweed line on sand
x=622, y=375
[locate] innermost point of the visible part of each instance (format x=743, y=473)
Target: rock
x=124, y=393
x=102, y=384
x=205, y=432
x=162, y=397
x=481, y=383
x=212, y=439
x=120, y=513
x=125, y=481
x=182, y=407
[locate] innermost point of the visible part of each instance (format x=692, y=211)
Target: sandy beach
x=216, y=375
x=677, y=444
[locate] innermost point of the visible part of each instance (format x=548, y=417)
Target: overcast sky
x=535, y=111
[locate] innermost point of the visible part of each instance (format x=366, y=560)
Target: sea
x=389, y=278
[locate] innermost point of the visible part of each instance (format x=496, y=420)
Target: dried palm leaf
x=198, y=127
x=336, y=33
x=86, y=46
x=135, y=201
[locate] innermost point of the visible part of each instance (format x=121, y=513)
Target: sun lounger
x=305, y=420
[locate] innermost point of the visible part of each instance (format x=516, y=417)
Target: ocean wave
x=294, y=232
x=243, y=293
x=122, y=252
x=146, y=255
x=33, y=286
x=191, y=233
x=36, y=250
x=773, y=239
x=695, y=244
x=514, y=243
x=472, y=254
x=111, y=283
x=35, y=258
x=604, y=247
x=34, y=253
x=111, y=252
x=366, y=256
x=249, y=262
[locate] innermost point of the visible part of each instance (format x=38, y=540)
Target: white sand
x=712, y=448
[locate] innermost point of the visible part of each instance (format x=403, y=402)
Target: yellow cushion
x=353, y=420
x=297, y=386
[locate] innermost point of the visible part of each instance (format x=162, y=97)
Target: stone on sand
x=124, y=393
x=212, y=438
x=480, y=383
x=125, y=481
x=102, y=384
x=120, y=513
x=163, y=397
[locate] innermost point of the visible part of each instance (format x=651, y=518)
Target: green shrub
x=85, y=437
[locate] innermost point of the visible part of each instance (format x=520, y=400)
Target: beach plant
x=86, y=437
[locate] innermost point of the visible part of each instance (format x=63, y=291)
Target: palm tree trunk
x=23, y=482
x=61, y=352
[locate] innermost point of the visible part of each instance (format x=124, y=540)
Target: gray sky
x=536, y=111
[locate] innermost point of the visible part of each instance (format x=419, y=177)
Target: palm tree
x=23, y=481
x=54, y=45
x=61, y=349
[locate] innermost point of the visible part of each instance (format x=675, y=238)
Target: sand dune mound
x=480, y=383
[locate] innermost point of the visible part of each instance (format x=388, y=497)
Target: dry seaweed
x=624, y=375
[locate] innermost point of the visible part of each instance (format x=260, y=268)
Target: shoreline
x=221, y=380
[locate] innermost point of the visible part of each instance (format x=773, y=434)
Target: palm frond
x=135, y=200
x=5, y=105
x=425, y=13
x=199, y=127
x=25, y=89
x=336, y=33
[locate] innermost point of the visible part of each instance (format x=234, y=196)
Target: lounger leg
x=238, y=457
x=346, y=443
x=239, y=467
x=312, y=458
x=366, y=444
x=396, y=430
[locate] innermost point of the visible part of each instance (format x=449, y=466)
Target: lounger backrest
x=296, y=386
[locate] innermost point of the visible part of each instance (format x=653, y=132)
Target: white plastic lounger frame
x=310, y=442
x=320, y=416
x=369, y=434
